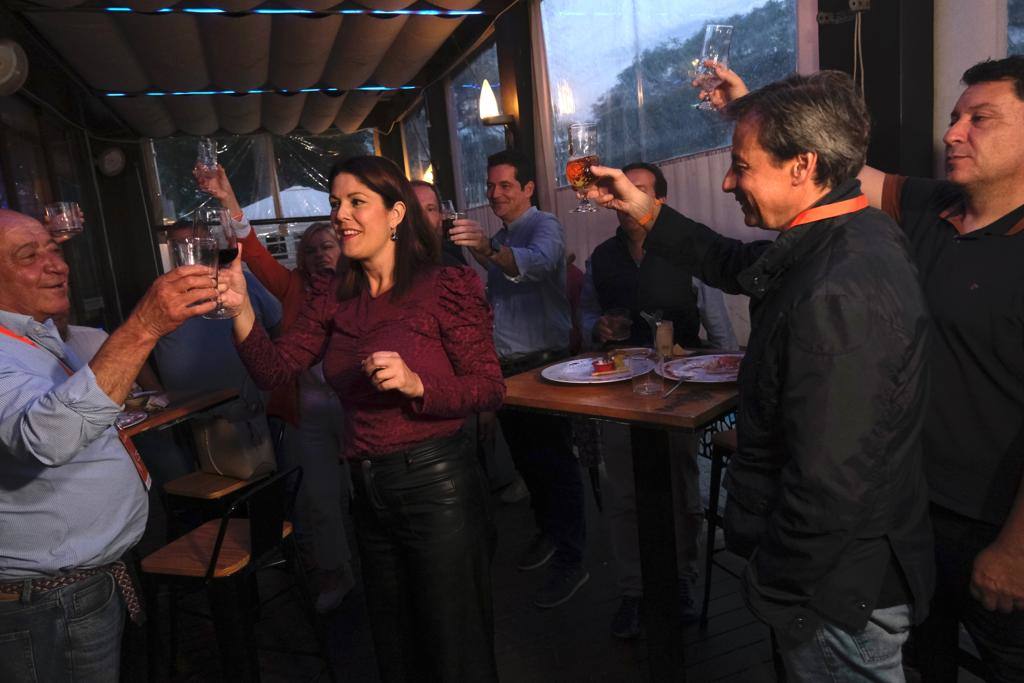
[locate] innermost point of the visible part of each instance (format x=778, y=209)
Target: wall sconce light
x=491, y=116
x=428, y=175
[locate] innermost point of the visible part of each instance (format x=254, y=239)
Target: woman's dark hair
x=416, y=246
x=308, y=234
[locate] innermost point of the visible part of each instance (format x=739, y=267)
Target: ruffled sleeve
x=466, y=326
x=274, y=363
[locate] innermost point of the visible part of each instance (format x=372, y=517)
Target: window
x=303, y=164
x=279, y=180
x=475, y=140
x=272, y=176
x=1015, y=27
x=417, y=145
x=634, y=83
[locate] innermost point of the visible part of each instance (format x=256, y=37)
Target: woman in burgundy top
x=407, y=346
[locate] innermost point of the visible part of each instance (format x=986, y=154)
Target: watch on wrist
x=495, y=246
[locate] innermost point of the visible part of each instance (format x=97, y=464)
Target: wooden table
x=182, y=406
x=689, y=408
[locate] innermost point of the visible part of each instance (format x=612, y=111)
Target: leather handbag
x=242, y=449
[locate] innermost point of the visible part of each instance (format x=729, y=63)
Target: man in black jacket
x=826, y=492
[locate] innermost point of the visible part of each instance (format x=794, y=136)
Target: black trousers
x=999, y=637
x=426, y=538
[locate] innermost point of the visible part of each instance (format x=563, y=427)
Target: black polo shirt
x=974, y=285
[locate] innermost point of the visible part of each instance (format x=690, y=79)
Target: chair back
x=266, y=505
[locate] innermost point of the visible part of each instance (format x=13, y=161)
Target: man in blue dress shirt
x=525, y=263
x=72, y=494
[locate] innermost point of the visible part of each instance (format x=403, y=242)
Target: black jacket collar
x=787, y=249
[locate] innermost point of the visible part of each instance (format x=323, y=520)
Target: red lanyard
x=126, y=440
x=820, y=213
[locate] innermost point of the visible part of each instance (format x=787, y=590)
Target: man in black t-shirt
x=966, y=236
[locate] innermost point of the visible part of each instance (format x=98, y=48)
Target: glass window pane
x=1015, y=27
x=417, y=144
x=476, y=141
x=634, y=83
x=242, y=157
x=303, y=165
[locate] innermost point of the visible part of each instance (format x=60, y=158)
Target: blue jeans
x=835, y=656
x=68, y=634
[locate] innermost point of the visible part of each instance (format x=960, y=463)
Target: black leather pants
x=426, y=537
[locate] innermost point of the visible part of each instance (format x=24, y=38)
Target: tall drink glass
x=582, y=155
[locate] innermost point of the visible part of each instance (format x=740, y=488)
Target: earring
x=394, y=235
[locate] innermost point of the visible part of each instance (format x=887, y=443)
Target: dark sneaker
x=560, y=585
x=688, y=611
x=626, y=622
x=536, y=554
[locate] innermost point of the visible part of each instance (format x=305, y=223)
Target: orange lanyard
x=820, y=213
x=26, y=340
x=126, y=440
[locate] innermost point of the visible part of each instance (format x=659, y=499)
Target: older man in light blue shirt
x=72, y=498
x=525, y=264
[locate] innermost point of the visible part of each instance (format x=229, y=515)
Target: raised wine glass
x=717, y=40
x=213, y=223
x=206, y=159
x=582, y=155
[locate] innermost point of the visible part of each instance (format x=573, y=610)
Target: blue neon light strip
x=217, y=10
x=257, y=91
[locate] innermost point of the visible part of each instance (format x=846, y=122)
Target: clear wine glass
x=213, y=223
x=206, y=159
x=582, y=155
x=717, y=41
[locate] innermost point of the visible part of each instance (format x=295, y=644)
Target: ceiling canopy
x=239, y=66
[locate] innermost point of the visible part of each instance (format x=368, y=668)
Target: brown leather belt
x=13, y=590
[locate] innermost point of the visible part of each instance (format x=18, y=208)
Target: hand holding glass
x=619, y=322
x=582, y=155
x=206, y=159
x=212, y=223
x=717, y=40
x=448, y=217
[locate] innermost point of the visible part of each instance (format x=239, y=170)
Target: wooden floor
x=567, y=644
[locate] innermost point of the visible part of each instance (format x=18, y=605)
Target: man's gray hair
x=821, y=113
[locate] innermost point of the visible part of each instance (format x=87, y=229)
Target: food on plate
x=723, y=364
x=603, y=366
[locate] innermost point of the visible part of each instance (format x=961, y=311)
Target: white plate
x=718, y=367
x=581, y=371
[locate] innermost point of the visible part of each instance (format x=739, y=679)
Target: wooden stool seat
x=205, y=486
x=190, y=554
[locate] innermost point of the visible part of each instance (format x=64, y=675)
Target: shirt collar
x=790, y=245
x=522, y=219
x=1010, y=224
x=44, y=333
